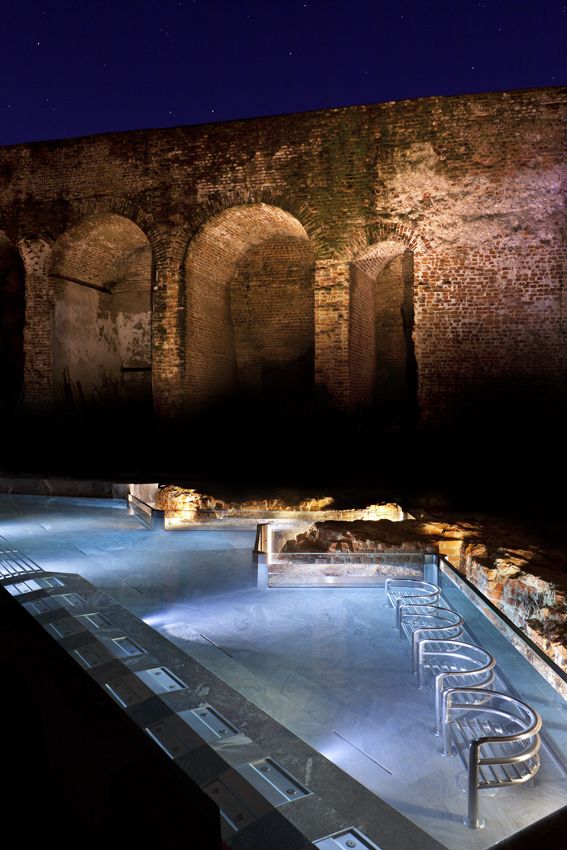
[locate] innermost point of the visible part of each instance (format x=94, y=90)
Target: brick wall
x=332, y=304
x=12, y=305
x=249, y=310
x=381, y=331
x=86, y=364
x=393, y=313
x=362, y=338
x=100, y=289
x=272, y=314
x=489, y=332
x=37, y=396
x=132, y=314
x=473, y=185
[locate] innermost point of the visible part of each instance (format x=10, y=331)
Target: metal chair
x=418, y=622
x=496, y=736
x=401, y=591
x=444, y=664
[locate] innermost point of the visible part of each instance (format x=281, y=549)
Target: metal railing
x=497, y=737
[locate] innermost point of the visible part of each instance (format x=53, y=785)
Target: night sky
x=73, y=67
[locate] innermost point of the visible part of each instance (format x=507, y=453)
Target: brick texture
x=249, y=235
x=100, y=285
x=272, y=309
x=12, y=309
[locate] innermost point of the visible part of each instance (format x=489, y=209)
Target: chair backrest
x=465, y=660
x=429, y=621
x=507, y=721
x=399, y=591
x=452, y=664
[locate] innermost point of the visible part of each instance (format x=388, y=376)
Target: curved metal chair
x=401, y=591
x=497, y=737
x=420, y=621
x=447, y=664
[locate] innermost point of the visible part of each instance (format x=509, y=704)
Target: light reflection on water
x=321, y=661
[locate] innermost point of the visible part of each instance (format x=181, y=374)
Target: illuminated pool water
x=325, y=662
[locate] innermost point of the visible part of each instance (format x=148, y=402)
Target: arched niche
x=12, y=315
x=383, y=370
x=249, y=276
x=101, y=275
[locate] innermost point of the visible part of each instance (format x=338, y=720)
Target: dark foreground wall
x=402, y=258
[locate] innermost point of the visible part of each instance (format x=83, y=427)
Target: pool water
x=327, y=663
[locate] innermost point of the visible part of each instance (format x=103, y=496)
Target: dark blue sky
x=72, y=67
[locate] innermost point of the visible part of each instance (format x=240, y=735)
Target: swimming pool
x=325, y=662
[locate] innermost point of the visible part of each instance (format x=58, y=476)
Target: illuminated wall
x=12, y=305
x=100, y=277
x=260, y=243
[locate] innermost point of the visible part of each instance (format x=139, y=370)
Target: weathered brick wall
x=131, y=306
x=249, y=303
x=100, y=287
x=362, y=337
x=392, y=288
x=86, y=364
x=273, y=318
x=473, y=185
x=332, y=305
x=132, y=316
x=493, y=330
x=37, y=336
x=381, y=331
x=96, y=249
x=209, y=345
x=12, y=306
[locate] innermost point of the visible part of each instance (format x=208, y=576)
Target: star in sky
x=237, y=57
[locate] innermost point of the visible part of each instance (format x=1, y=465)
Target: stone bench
x=497, y=737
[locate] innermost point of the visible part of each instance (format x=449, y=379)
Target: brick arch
x=249, y=285
x=85, y=208
x=12, y=315
x=50, y=223
x=382, y=364
x=244, y=197
x=378, y=232
x=100, y=278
